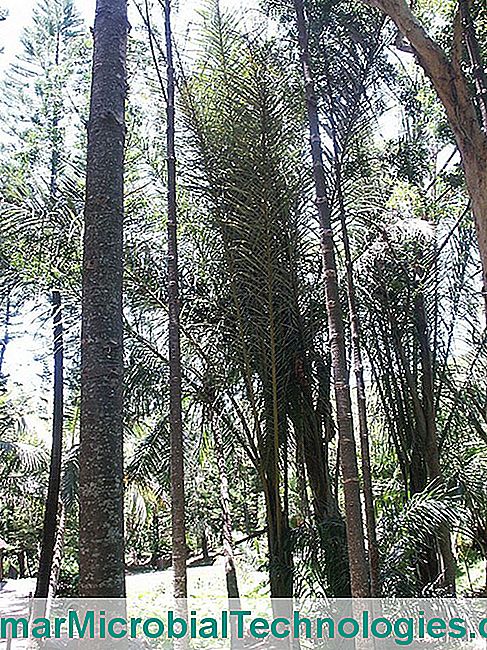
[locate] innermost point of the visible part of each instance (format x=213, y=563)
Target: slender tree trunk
x=229, y=558
x=278, y=533
x=58, y=552
x=363, y=426
x=230, y=570
x=280, y=557
x=205, y=552
x=348, y=453
x=101, y=438
x=52, y=499
x=431, y=447
x=358, y=368
x=21, y=560
x=328, y=520
x=6, y=333
x=301, y=479
x=176, y=421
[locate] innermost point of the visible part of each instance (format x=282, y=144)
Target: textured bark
x=58, y=552
x=176, y=421
x=450, y=83
x=101, y=438
x=52, y=499
x=348, y=453
x=475, y=58
x=358, y=368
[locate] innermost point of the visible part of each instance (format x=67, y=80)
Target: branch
x=447, y=79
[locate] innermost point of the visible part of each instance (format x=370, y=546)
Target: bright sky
x=20, y=11
x=31, y=340
x=30, y=344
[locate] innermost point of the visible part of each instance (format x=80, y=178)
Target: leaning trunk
x=101, y=435
x=58, y=552
x=50, y=514
x=176, y=421
x=475, y=165
x=230, y=570
x=348, y=453
x=475, y=59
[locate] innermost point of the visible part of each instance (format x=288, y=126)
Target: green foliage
x=255, y=348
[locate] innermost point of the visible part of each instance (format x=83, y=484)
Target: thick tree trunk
x=101, y=437
x=348, y=453
x=52, y=499
x=176, y=420
x=451, y=86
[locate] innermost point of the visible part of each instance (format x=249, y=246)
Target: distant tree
x=54, y=485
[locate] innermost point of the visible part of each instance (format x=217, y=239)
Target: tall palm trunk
x=348, y=453
x=358, y=368
x=101, y=437
x=176, y=421
x=52, y=499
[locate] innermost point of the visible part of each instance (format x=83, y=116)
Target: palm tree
x=348, y=455
x=175, y=418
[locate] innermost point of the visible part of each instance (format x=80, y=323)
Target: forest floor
x=203, y=581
